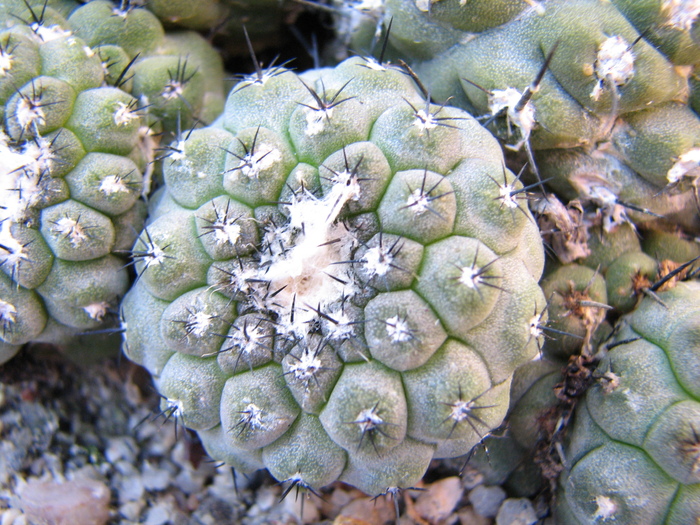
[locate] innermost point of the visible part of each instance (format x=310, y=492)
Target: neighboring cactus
x=549, y=83
x=633, y=454
x=174, y=75
x=261, y=18
x=339, y=282
x=69, y=189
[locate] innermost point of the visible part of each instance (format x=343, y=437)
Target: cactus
x=632, y=455
x=69, y=185
x=338, y=282
x=597, y=107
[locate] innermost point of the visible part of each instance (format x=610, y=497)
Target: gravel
x=84, y=445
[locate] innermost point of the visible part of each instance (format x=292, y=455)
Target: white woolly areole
x=8, y=312
x=373, y=64
x=418, y=201
x=112, y=184
x=252, y=416
x=198, y=323
x=226, y=231
x=48, y=33
x=5, y=62
x=425, y=121
x=460, y=410
x=20, y=178
x=469, y=277
x=606, y=508
x=368, y=419
x=686, y=164
x=262, y=159
x=342, y=328
x=534, y=324
x=29, y=114
x=614, y=63
x=11, y=250
x=398, y=330
x=178, y=151
x=304, y=368
x=71, y=229
x=524, y=120
x=377, y=261
x=172, y=90
x=306, y=271
x=123, y=114
x=154, y=255
x=249, y=340
x=681, y=14
x=175, y=407
x=424, y=5
x=96, y=311
x=316, y=120
x=506, y=194
x=369, y=6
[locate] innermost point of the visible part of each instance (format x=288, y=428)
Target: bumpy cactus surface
x=633, y=454
x=590, y=91
x=81, y=98
x=339, y=282
x=70, y=184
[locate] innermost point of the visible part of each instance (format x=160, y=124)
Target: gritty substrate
x=85, y=446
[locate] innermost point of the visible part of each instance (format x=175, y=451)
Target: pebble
x=516, y=512
x=369, y=510
x=154, y=478
x=439, y=499
x=123, y=447
x=467, y=516
x=74, y=502
x=486, y=500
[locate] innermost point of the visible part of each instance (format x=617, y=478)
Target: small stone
x=305, y=513
x=75, y=502
x=370, y=511
x=132, y=510
x=516, y=512
x=123, y=447
x=158, y=515
x=130, y=486
x=471, y=477
x=486, y=500
x=12, y=517
x=439, y=499
x=155, y=478
x=468, y=516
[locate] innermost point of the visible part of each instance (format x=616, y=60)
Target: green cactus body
x=321, y=269
x=633, y=453
x=70, y=193
x=611, y=94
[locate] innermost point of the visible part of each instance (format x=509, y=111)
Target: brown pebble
x=74, y=502
x=346, y=520
x=440, y=498
x=369, y=511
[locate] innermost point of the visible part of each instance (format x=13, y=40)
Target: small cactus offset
x=338, y=282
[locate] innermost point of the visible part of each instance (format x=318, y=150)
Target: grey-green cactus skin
x=338, y=282
x=609, y=123
x=71, y=177
x=261, y=18
x=174, y=75
x=633, y=453
x=83, y=90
